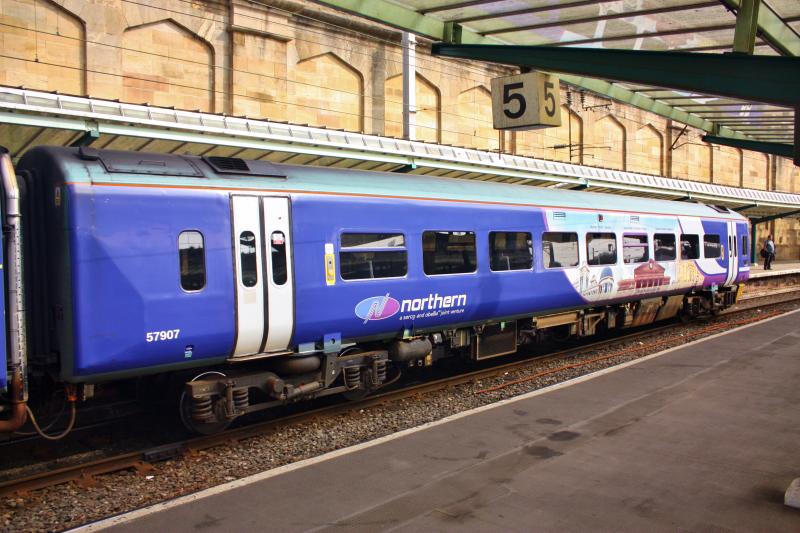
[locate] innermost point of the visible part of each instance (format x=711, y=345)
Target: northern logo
x=380, y=307
x=377, y=308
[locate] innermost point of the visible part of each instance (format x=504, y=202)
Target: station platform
x=703, y=437
x=778, y=269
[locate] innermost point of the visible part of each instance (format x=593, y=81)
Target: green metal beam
x=781, y=149
x=744, y=37
x=429, y=27
x=772, y=29
x=86, y=138
x=404, y=169
x=770, y=218
x=797, y=135
x=759, y=78
x=641, y=101
x=401, y=18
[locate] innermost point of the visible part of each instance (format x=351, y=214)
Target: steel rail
x=142, y=460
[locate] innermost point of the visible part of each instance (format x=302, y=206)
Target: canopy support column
x=755, y=221
x=409, y=86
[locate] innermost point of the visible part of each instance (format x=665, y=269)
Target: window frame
x=241, y=260
x=205, y=263
x=475, y=241
x=699, y=255
x=577, y=248
x=674, y=242
x=616, y=247
x=342, y=249
x=272, y=259
x=745, y=247
x=490, y=250
x=646, y=245
x=719, y=242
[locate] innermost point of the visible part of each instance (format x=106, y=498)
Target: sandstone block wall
x=291, y=60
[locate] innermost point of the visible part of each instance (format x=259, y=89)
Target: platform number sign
x=526, y=101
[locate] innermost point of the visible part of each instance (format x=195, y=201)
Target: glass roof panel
x=548, y=13
x=480, y=8
x=693, y=25
x=604, y=20
x=785, y=8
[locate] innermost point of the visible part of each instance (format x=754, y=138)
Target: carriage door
x=264, y=285
x=733, y=254
x=248, y=259
x=279, y=278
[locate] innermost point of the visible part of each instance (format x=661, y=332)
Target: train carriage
x=253, y=284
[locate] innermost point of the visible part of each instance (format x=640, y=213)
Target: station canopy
x=29, y=118
x=701, y=26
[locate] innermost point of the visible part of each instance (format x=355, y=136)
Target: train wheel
x=185, y=406
x=355, y=395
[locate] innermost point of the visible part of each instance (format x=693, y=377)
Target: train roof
x=153, y=169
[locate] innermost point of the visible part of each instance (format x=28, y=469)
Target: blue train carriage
x=252, y=284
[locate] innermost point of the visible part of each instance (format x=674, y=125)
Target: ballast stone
x=792, y=496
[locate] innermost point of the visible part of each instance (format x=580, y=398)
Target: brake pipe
x=18, y=382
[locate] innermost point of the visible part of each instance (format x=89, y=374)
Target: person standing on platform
x=769, y=248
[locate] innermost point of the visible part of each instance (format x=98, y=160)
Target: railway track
x=143, y=460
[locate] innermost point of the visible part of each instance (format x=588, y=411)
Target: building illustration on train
x=649, y=275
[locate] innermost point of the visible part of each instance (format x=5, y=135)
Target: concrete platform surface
x=778, y=269
x=705, y=437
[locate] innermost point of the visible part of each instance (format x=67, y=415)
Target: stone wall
x=295, y=61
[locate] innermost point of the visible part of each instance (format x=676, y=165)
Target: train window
x=559, y=250
x=510, y=250
x=712, y=249
x=448, y=252
x=745, y=247
x=248, y=262
x=690, y=247
x=664, y=247
x=373, y=240
x=278, y=248
x=635, y=249
x=192, y=259
x=372, y=256
x=601, y=248
x=373, y=265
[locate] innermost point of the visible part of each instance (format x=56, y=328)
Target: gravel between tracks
x=69, y=505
